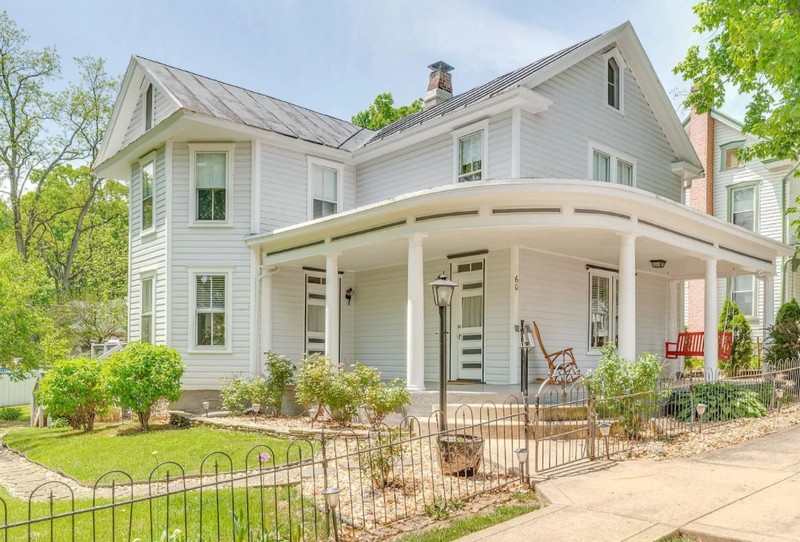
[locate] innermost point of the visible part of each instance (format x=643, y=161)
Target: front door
x=468, y=317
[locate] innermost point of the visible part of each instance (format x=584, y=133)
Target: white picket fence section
x=15, y=393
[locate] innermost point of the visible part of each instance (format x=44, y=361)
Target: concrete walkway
x=746, y=492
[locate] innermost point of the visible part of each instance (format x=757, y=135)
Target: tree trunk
x=144, y=419
x=76, y=237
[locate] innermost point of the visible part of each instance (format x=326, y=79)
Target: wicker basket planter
x=460, y=455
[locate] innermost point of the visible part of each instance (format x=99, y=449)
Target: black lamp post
x=442, y=297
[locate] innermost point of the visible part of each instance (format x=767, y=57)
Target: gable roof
x=465, y=99
x=224, y=101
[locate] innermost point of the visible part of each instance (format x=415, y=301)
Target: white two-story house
x=752, y=195
x=552, y=193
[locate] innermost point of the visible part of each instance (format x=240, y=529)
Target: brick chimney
x=700, y=197
x=440, y=84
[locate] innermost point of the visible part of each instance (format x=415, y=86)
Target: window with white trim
x=603, y=305
x=315, y=314
x=146, y=317
x=211, y=310
x=325, y=190
x=609, y=165
x=613, y=78
x=148, y=172
x=211, y=184
x=743, y=292
x=470, y=157
x=149, y=107
x=743, y=206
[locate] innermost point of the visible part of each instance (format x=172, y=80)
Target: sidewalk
x=746, y=492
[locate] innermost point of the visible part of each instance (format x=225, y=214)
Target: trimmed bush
x=76, y=389
x=732, y=319
x=279, y=374
x=238, y=393
x=143, y=373
x=784, y=336
x=382, y=399
x=10, y=414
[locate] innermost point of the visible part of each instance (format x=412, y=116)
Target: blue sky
x=335, y=56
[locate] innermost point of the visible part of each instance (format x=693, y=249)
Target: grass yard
x=86, y=456
x=23, y=413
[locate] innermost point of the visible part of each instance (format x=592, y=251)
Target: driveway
x=746, y=492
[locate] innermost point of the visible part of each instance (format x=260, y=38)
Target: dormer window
x=614, y=80
x=148, y=108
x=613, y=83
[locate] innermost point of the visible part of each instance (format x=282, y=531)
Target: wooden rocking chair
x=562, y=365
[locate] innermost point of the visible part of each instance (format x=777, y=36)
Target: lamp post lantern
x=442, y=296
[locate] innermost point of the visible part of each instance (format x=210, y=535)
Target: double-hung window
x=743, y=293
x=146, y=320
x=470, y=151
x=148, y=173
x=324, y=187
x=210, y=179
x=211, y=310
x=743, y=207
x=603, y=303
x=609, y=165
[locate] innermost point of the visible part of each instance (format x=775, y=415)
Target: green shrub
x=732, y=319
x=784, y=336
x=143, y=373
x=76, y=389
x=279, y=374
x=626, y=391
x=10, y=414
x=239, y=393
x=724, y=401
x=377, y=458
x=320, y=383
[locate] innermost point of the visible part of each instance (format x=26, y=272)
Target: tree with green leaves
x=41, y=130
x=753, y=47
x=382, y=112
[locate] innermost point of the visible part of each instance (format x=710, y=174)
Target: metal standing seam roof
x=487, y=90
x=208, y=96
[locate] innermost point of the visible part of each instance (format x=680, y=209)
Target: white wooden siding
x=148, y=254
x=163, y=106
x=288, y=312
x=199, y=247
x=555, y=143
x=554, y=292
x=769, y=212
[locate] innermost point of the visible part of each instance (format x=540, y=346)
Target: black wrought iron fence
x=340, y=482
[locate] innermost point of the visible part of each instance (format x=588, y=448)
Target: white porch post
x=672, y=322
x=415, y=316
x=627, y=297
x=266, y=309
x=769, y=302
x=332, y=307
x=710, y=336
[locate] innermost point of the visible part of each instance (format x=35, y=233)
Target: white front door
x=468, y=316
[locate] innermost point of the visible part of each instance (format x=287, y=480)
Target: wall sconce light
x=658, y=264
x=348, y=295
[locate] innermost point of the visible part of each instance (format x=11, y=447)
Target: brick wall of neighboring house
x=700, y=197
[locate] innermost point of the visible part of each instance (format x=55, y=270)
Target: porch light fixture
x=605, y=430
x=348, y=295
x=701, y=409
x=331, y=495
x=442, y=296
x=206, y=406
x=658, y=264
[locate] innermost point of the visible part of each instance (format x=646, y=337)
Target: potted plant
x=460, y=454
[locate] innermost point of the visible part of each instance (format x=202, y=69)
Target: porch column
x=710, y=335
x=415, y=316
x=332, y=307
x=627, y=297
x=769, y=302
x=266, y=310
x=672, y=322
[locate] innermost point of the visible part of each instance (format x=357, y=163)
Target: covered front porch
x=581, y=258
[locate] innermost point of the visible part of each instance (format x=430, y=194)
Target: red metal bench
x=691, y=343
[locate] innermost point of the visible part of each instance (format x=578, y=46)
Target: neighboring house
x=753, y=195
x=552, y=193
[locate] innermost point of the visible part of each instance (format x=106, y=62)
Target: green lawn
x=471, y=524
x=86, y=456
x=24, y=421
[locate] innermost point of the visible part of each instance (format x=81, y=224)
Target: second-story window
x=601, y=166
x=613, y=83
x=211, y=185
x=325, y=184
x=470, y=157
x=729, y=155
x=147, y=321
x=148, y=170
x=743, y=207
x=611, y=166
x=624, y=173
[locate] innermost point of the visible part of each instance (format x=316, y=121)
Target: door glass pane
x=600, y=311
x=472, y=311
x=316, y=318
